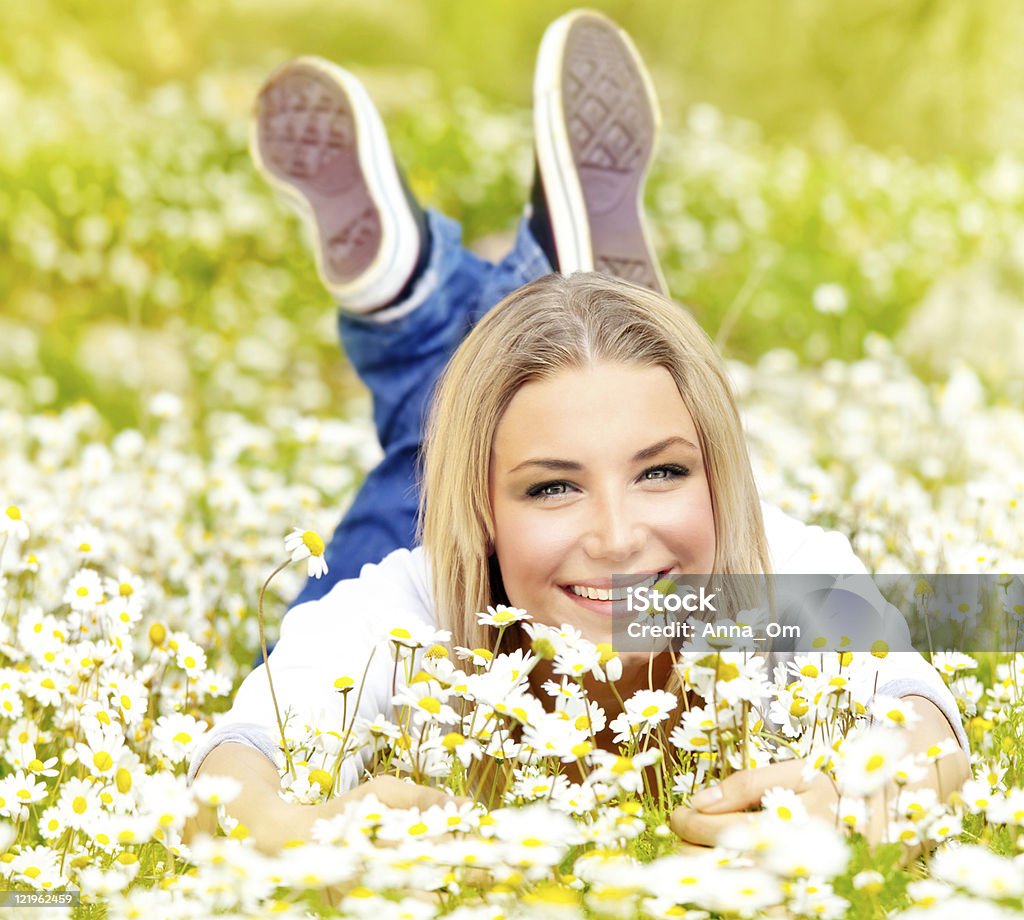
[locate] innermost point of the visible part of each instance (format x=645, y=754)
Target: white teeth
x=613, y=594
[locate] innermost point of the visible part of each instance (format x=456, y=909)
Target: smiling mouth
x=620, y=593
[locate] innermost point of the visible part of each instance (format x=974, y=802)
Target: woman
x=583, y=428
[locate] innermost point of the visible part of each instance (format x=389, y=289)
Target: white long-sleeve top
x=333, y=637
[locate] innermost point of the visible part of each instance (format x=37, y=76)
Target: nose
x=615, y=533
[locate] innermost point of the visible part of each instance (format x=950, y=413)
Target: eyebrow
x=572, y=466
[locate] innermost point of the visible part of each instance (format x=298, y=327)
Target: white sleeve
x=796, y=548
x=321, y=641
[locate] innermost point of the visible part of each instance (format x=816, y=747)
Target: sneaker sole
x=317, y=138
x=596, y=123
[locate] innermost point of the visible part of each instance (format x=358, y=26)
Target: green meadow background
x=826, y=170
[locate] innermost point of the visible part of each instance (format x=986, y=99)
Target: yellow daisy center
x=313, y=543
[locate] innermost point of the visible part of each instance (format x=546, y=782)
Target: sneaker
x=595, y=118
x=318, y=139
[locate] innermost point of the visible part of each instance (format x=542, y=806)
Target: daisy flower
x=11, y=703
x=176, y=735
x=101, y=750
x=1008, y=809
x=465, y=749
x=650, y=707
x=26, y=789
x=52, y=824
x=38, y=867
x=79, y=803
x=84, y=591
x=128, y=696
x=416, y=635
x=428, y=701
x=402, y=824
x=42, y=767
x=549, y=736
x=307, y=544
x=928, y=892
x=87, y=541
x=501, y=616
x=812, y=898
x=190, y=658
x=216, y=790
x=47, y=687
x=747, y=892
x=936, y=752
x=12, y=523
x=950, y=663
x=893, y=712
x=868, y=761
x=626, y=773
x=167, y=798
x=578, y=659
x=478, y=657
x=126, y=585
x=944, y=827
x=869, y=880
x=783, y=805
x=696, y=728
x=851, y=813
x=980, y=871
x=812, y=849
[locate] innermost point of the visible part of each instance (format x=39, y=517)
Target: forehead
x=611, y=408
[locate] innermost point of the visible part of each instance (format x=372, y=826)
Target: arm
x=714, y=810
x=798, y=549
x=321, y=641
x=269, y=820
x=803, y=550
x=273, y=823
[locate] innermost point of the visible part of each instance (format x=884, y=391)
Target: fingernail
x=706, y=797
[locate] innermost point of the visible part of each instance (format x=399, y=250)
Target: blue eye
x=665, y=472
x=548, y=490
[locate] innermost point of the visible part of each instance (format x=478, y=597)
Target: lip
x=604, y=608
x=607, y=584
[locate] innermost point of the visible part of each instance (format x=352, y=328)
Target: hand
x=397, y=793
x=717, y=808
x=285, y=823
x=389, y=790
x=706, y=818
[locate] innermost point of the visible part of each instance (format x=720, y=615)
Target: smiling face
x=596, y=472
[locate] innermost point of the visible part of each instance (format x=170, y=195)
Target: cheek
x=530, y=544
x=689, y=524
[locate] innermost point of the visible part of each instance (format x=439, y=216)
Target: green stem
x=266, y=665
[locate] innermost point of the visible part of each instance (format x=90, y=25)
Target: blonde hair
x=548, y=326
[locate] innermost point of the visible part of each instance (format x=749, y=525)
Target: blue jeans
x=400, y=361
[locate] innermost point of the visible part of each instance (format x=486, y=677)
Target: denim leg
x=400, y=362
x=524, y=263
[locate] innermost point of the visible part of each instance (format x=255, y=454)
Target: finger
x=702, y=829
x=745, y=788
x=685, y=848
x=396, y=793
